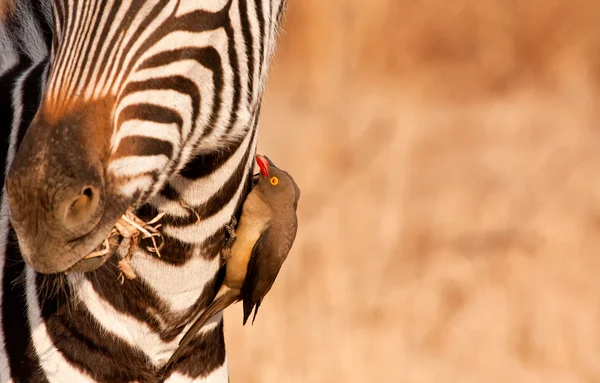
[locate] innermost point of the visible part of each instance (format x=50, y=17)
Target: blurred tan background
x=449, y=155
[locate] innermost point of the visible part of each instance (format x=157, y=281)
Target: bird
x=263, y=238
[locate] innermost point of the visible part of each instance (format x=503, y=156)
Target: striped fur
x=183, y=81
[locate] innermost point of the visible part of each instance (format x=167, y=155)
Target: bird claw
x=230, y=227
x=226, y=254
x=231, y=232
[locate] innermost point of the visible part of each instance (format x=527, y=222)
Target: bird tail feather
x=248, y=307
x=224, y=298
x=220, y=303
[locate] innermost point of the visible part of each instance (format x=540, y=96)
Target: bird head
x=275, y=184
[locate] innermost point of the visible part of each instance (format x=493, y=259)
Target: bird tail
x=248, y=306
x=225, y=297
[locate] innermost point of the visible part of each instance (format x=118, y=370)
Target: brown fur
x=7, y=9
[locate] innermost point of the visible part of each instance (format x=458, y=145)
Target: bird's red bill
x=263, y=164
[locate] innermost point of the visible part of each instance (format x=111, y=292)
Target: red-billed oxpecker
x=263, y=239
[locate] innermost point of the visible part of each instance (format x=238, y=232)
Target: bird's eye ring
x=274, y=180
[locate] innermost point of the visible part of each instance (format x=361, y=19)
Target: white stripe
x=53, y=363
x=134, y=165
x=30, y=34
x=135, y=184
x=172, y=208
x=185, y=283
x=207, y=5
x=9, y=54
x=101, y=310
x=255, y=32
x=240, y=48
x=4, y=220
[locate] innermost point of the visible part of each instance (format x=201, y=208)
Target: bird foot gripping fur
x=230, y=227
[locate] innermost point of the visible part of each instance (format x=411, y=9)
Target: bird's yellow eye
x=274, y=180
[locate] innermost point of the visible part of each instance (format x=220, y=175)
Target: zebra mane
x=22, y=26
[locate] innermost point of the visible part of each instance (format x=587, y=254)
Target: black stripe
x=280, y=11
x=169, y=192
x=210, y=248
x=203, y=355
x=23, y=361
x=56, y=19
x=261, y=27
x=141, y=145
x=32, y=88
x=6, y=110
x=149, y=112
x=249, y=47
x=177, y=83
x=204, y=164
x=61, y=16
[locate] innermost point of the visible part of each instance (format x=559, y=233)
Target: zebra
x=107, y=105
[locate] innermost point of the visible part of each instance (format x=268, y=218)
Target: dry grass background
x=449, y=157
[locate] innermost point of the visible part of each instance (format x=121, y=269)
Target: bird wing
x=268, y=254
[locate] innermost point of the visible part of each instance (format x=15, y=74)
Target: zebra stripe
x=182, y=82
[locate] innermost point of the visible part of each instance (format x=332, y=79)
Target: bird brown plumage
x=263, y=239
